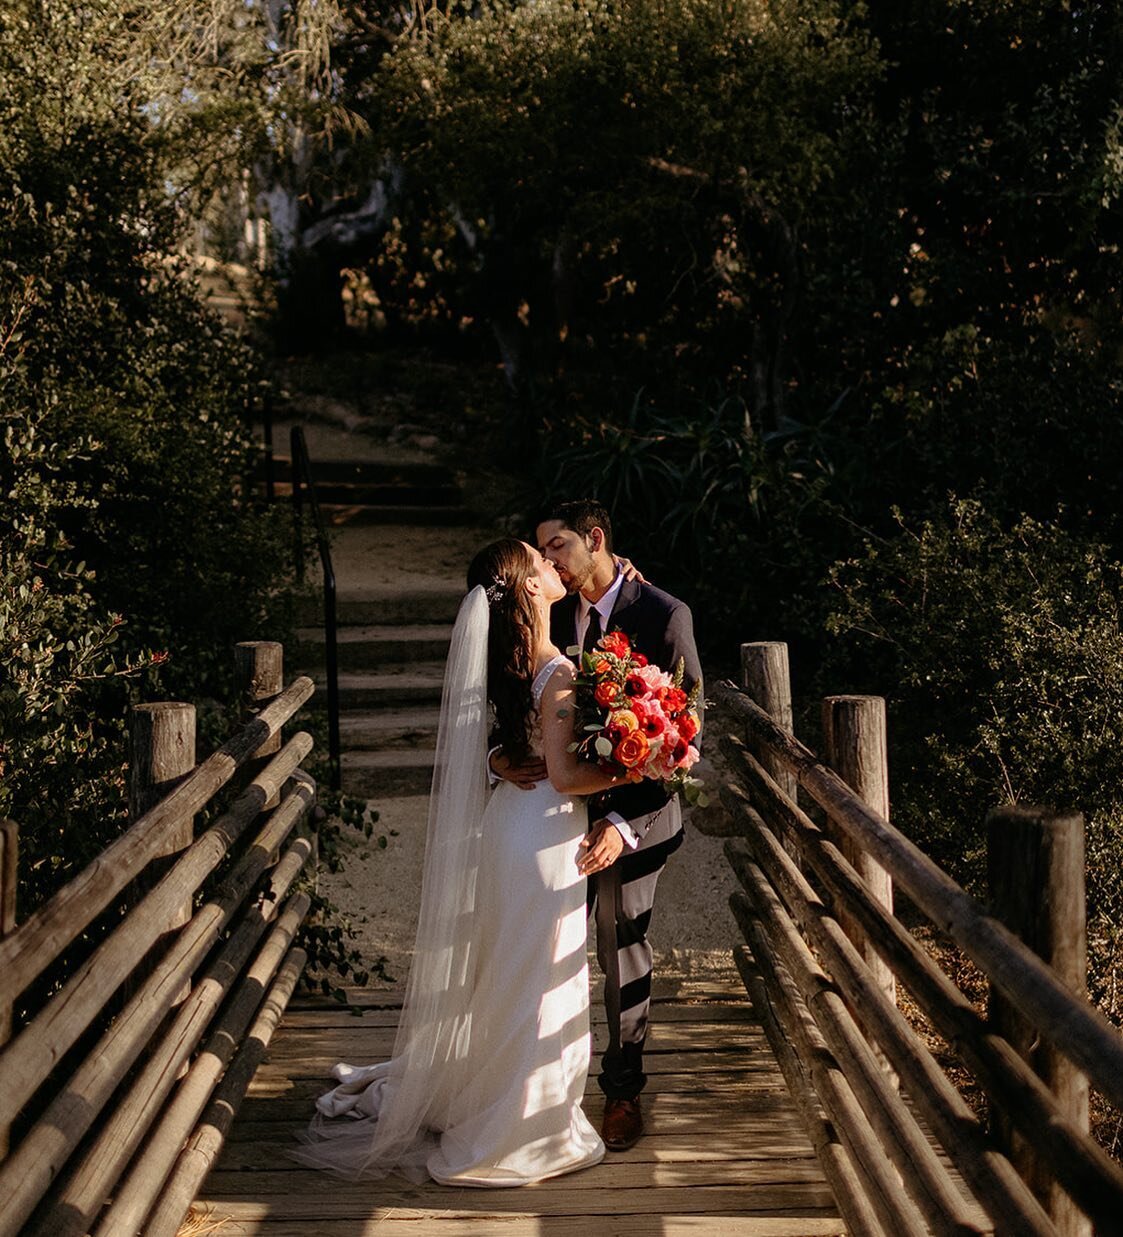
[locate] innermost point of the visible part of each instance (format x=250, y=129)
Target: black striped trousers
x=628, y=979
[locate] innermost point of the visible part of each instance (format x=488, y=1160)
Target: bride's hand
x=630, y=570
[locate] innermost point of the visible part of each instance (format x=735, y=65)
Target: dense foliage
x=126, y=542
x=1004, y=646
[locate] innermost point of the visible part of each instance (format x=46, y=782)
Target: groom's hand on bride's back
x=525, y=775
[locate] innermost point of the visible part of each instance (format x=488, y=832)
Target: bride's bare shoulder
x=559, y=676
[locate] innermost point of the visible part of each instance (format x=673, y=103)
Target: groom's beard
x=576, y=579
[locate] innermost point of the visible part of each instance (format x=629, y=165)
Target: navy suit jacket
x=662, y=629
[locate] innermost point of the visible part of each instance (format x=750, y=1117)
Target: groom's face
x=570, y=553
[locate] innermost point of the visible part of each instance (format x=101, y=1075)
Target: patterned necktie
x=593, y=631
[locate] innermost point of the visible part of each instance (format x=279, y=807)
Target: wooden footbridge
x=155, y=1085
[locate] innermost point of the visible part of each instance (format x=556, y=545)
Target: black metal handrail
x=302, y=485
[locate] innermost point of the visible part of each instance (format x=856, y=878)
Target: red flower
x=635, y=686
x=639, y=659
x=674, y=699
x=616, y=643
x=653, y=724
x=681, y=748
x=688, y=726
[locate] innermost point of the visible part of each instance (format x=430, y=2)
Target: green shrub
x=126, y=525
x=62, y=675
x=1000, y=650
x=710, y=508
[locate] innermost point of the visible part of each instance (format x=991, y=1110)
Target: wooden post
x=9, y=854
x=162, y=752
x=261, y=678
x=765, y=676
x=1035, y=864
x=161, y=755
x=854, y=746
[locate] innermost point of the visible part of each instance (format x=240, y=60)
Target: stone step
x=343, y=515
x=391, y=728
x=419, y=606
x=375, y=775
x=369, y=472
x=391, y=688
x=375, y=494
x=363, y=648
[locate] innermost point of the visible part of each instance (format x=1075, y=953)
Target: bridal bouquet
x=636, y=720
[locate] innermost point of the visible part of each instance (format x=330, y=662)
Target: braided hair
x=502, y=569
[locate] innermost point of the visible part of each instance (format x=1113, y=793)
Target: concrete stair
x=390, y=684
x=366, y=648
x=394, y=614
x=389, y=774
x=367, y=691
x=363, y=492
x=391, y=729
x=387, y=606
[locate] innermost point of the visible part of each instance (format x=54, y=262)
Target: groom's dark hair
x=582, y=516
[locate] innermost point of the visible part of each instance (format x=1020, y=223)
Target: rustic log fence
x=898, y=1143
x=116, y=1104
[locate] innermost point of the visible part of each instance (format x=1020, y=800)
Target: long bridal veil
x=379, y=1118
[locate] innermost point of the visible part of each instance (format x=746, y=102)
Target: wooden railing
x=891, y=1130
x=115, y=1105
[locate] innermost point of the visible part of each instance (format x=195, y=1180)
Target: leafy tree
x=629, y=181
x=126, y=525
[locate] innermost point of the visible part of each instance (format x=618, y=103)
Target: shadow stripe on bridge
x=725, y=1152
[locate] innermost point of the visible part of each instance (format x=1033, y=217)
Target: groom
x=636, y=827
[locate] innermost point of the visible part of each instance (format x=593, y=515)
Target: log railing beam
x=894, y=1209
x=1086, y=1170
x=991, y=1176
x=37, y=942
x=9, y=883
x=1076, y=1027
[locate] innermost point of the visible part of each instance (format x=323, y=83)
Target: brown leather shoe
x=622, y=1125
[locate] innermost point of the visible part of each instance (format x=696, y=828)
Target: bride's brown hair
x=502, y=569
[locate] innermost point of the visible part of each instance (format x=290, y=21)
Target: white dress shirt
x=603, y=607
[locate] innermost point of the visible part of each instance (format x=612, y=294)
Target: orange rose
x=603, y=667
x=606, y=694
x=632, y=749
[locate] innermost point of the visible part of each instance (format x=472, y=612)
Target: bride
x=492, y=1051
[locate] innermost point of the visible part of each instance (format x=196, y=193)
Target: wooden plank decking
x=724, y=1153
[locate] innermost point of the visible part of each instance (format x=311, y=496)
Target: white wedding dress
x=488, y=1090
